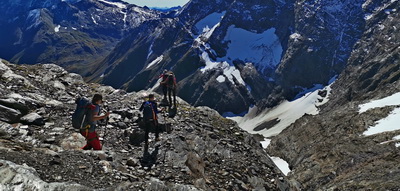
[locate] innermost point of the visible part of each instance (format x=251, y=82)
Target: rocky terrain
x=329, y=151
x=39, y=149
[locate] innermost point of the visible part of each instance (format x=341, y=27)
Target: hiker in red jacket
x=170, y=83
x=90, y=124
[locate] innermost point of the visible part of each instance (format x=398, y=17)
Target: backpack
x=82, y=108
x=171, y=80
x=164, y=77
x=148, y=111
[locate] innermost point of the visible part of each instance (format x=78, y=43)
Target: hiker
x=163, y=84
x=150, y=111
x=90, y=124
x=170, y=83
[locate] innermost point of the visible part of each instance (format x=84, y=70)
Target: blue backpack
x=148, y=111
x=80, y=113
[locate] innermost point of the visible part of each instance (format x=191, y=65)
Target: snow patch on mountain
x=119, y=5
x=230, y=72
x=281, y=164
x=155, y=61
x=206, y=27
x=390, y=123
x=295, y=36
x=284, y=114
x=34, y=17
x=397, y=138
x=94, y=20
x=221, y=78
x=263, y=50
x=392, y=100
x=209, y=21
x=57, y=28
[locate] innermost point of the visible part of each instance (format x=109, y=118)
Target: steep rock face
x=330, y=151
x=198, y=150
x=321, y=42
x=70, y=33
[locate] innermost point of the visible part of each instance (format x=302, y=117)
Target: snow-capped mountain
x=242, y=52
x=189, y=44
x=222, y=52
x=71, y=33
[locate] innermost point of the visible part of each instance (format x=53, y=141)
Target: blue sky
x=158, y=3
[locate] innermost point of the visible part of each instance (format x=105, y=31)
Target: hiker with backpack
x=150, y=111
x=85, y=118
x=170, y=83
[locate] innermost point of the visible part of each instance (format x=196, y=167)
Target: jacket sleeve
x=141, y=107
x=155, y=108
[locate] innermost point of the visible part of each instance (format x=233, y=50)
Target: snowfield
x=263, y=50
x=156, y=61
x=286, y=113
x=391, y=122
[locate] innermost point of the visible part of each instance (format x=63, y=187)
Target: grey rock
x=122, y=125
x=9, y=115
x=132, y=162
x=33, y=119
x=12, y=103
x=195, y=164
x=28, y=179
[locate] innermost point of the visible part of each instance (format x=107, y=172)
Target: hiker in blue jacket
x=150, y=111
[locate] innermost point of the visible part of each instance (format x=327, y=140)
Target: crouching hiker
x=150, y=111
x=88, y=129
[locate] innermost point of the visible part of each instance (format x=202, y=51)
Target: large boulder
x=12, y=103
x=32, y=119
x=73, y=142
x=18, y=177
x=195, y=164
x=9, y=115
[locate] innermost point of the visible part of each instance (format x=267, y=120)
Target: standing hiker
x=170, y=82
x=150, y=111
x=90, y=123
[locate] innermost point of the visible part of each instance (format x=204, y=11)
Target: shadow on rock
x=149, y=159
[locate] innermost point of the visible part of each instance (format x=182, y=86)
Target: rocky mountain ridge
x=331, y=150
x=72, y=34
x=40, y=150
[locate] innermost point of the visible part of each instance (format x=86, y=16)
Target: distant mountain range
x=72, y=33
x=222, y=52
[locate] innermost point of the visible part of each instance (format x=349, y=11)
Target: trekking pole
x=105, y=127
